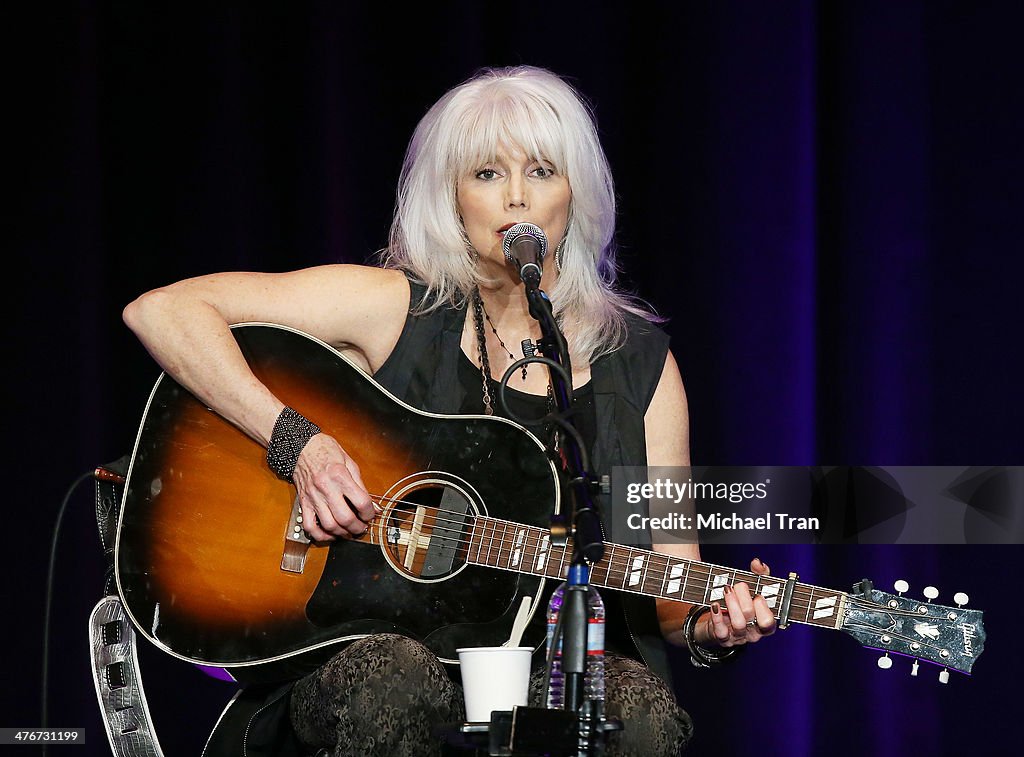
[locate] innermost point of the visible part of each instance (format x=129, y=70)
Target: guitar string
x=615, y=566
x=700, y=570
x=867, y=605
x=622, y=566
x=616, y=570
x=611, y=567
x=799, y=592
x=901, y=636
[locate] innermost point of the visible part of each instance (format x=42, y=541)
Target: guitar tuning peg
x=931, y=592
x=885, y=661
x=913, y=670
x=901, y=586
x=961, y=599
x=944, y=676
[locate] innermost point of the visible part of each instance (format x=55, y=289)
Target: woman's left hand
x=743, y=618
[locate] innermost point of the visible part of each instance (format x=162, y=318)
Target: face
x=508, y=190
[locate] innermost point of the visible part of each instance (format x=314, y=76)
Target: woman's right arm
x=357, y=309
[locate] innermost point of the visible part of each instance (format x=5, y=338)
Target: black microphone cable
x=45, y=696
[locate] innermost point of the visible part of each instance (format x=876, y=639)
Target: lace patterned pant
x=383, y=695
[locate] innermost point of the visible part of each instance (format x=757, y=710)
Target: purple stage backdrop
x=822, y=198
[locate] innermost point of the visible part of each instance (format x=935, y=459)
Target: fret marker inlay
x=824, y=607
x=771, y=594
x=637, y=570
x=518, y=552
x=674, y=574
x=719, y=583
x=542, y=552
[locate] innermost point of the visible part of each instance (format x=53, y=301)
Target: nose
x=516, y=192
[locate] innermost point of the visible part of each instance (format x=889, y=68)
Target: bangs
x=499, y=121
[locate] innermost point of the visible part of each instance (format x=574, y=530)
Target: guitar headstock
x=951, y=637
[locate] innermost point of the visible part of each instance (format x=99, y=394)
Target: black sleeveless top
x=526, y=409
x=428, y=370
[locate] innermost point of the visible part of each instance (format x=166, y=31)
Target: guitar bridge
x=296, y=542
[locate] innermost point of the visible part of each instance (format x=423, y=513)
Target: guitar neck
x=528, y=549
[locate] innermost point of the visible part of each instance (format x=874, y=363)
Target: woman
x=435, y=324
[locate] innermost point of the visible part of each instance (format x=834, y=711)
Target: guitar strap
x=114, y=654
x=110, y=480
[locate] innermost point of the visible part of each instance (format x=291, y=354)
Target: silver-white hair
x=539, y=113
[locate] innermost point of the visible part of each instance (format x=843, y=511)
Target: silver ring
x=753, y=623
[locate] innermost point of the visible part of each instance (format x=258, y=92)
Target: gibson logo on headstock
x=968, y=632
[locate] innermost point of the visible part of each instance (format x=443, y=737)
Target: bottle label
x=595, y=637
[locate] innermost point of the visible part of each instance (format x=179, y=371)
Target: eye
x=486, y=174
x=543, y=171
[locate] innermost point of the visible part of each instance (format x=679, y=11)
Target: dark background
x=823, y=198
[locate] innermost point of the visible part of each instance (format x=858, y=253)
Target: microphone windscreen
x=521, y=230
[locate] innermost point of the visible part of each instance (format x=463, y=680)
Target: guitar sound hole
x=427, y=532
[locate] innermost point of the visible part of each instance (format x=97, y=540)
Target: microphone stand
x=579, y=727
x=588, y=535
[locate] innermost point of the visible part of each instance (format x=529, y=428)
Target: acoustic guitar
x=213, y=566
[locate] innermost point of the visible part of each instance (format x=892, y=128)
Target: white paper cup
x=494, y=678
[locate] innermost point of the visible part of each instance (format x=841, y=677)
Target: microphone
x=525, y=247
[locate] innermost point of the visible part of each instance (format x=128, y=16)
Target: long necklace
x=481, y=347
x=479, y=314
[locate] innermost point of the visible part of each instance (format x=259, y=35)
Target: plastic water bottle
x=593, y=681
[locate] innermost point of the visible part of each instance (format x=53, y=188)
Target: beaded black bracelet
x=699, y=656
x=292, y=431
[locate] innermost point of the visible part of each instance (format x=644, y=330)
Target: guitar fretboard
x=528, y=549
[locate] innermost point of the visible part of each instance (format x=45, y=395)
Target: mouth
x=501, y=232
